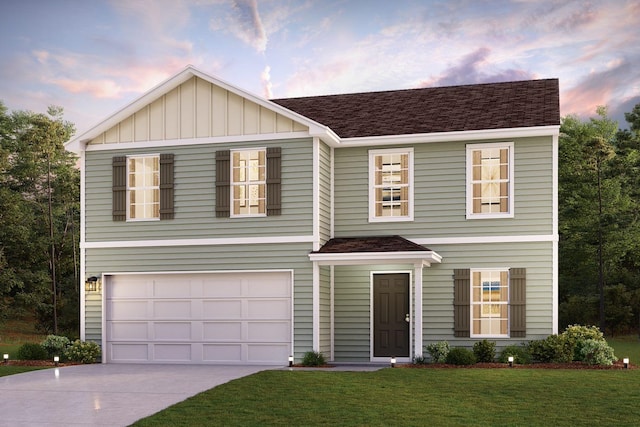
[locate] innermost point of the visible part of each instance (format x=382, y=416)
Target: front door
x=391, y=315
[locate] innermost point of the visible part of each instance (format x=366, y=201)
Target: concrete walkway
x=105, y=395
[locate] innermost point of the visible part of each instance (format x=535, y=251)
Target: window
x=142, y=187
x=249, y=182
x=391, y=185
x=490, y=180
x=490, y=302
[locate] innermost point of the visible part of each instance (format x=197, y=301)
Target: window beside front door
x=490, y=180
x=391, y=185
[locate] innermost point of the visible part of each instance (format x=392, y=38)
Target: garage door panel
x=199, y=318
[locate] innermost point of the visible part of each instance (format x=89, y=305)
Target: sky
x=93, y=57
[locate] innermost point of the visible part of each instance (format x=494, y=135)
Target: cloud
x=246, y=24
x=469, y=71
x=96, y=88
x=265, y=79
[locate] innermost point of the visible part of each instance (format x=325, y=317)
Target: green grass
x=627, y=346
x=15, y=332
x=479, y=397
x=12, y=370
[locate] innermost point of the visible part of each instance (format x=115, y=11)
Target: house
x=221, y=227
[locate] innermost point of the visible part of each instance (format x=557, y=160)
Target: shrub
x=485, y=351
x=460, y=356
x=438, y=351
x=553, y=349
x=597, y=352
x=520, y=354
x=313, y=358
x=576, y=335
x=55, y=345
x=420, y=360
x=83, y=351
x=32, y=351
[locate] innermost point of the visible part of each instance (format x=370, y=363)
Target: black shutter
x=223, y=183
x=274, y=187
x=119, y=188
x=517, y=302
x=166, y=186
x=461, y=302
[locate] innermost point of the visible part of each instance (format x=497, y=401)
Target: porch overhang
x=425, y=258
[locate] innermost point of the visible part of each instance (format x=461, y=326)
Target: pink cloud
x=97, y=88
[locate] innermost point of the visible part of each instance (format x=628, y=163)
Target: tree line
x=599, y=223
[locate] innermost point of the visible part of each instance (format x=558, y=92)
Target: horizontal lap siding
x=440, y=193
x=325, y=192
x=438, y=286
x=194, y=189
x=209, y=258
x=325, y=311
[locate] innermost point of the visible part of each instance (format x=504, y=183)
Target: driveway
x=107, y=395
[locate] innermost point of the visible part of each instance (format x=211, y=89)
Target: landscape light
x=510, y=361
x=625, y=361
x=56, y=360
x=6, y=358
x=393, y=361
x=290, y=361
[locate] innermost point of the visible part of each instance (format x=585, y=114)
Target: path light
x=6, y=358
x=510, y=361
x=290, y=361
x=56, y=360
x=393, y=361
x=625, y=361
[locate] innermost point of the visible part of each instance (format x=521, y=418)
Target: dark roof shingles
x=370, y=244
x=440, y=109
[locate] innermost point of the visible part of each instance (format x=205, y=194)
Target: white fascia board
x=79, y=143
x=196, y=242
x=362, y=258
x=467, y=135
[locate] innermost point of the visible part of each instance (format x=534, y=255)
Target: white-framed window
x=391, y=185
x=490, y=180
x=490, y=302
x=248, y=182
x=143, y=187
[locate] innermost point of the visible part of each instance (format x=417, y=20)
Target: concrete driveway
x=107, y=395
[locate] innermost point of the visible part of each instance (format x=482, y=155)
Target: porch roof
x=373, y=250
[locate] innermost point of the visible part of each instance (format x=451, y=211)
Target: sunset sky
x=93, y=57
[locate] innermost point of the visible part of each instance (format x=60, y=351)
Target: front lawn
x=400, y=396
x=12, y=370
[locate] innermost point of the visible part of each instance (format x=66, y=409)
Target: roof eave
x=362, y=258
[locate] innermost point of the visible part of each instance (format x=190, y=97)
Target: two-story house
x=221, y=227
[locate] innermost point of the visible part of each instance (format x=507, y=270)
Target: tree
x=39, y=201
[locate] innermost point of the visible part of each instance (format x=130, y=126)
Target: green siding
x=325, y=193
x=440, y=193
x=210, y=258
x=325, y=311
x=194, y=189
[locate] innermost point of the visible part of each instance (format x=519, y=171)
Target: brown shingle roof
x=370, y=244
x=439, y=109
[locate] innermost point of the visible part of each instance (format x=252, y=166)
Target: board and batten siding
x=197, y=109
x=186, y=259
x=440, y=193
x=194, y=196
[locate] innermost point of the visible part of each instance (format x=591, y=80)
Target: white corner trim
x=196, y=242
x=316, y=193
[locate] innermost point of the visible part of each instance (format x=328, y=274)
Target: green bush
x=313, y=358
x=577, y=335
x=597, y=352
x=485, y=351
x=83, y=352
x=32, y=351
x=438, y=351
x=420, y=360
x=55, y=345
x=553, y=349
x=520, y=354
x=460, y=356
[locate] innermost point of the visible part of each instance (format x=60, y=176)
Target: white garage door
x=199, y=318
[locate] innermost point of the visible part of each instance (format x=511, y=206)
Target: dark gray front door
x=390, y=311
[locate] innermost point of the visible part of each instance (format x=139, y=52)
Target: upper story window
x=490, y=303
x=490, y=180
x=143, y=187
x=391, y=185
x=248, y=182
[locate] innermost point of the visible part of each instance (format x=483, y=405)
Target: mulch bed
x=43, y=363
x=572, y=365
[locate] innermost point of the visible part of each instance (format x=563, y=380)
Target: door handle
x=407, y=318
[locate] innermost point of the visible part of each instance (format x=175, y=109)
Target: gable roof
x=521, y=104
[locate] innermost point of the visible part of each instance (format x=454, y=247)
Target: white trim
x=372, y=358
x=555, y=256
x=332, y=317
x=416, y=320
x=233, y=184
x=316, y=193
x=469, y=176
x=372, y=193
x=466, y=135
x=128, y=188
x=366, y=258
x=197, y=242
x=83, y=275
x=332, y=228
x=315, y=307
x=196, y=141
x=485, y=239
